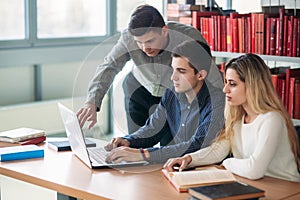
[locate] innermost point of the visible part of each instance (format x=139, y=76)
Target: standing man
x=148, y=42
x=191, y=111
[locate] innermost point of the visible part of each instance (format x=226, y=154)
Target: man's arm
x=103, y=78
x=152, y=132
x=211, y=124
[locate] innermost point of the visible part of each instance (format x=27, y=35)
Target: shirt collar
x=200, y=97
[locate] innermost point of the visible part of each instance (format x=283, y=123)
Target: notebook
x=93, y=157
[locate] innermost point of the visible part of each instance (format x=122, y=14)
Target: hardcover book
x=64, y=145
x=226, y=191
x=20, y=134
x=184, y=180
x=21, y=152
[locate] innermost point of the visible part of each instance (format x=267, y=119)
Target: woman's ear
x=202, y=74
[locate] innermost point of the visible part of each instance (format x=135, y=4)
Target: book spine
x=297, y=99
x=295, y=32
x=291, y=96
x=22, y=155
x=272, y=36
x=285, y=35
x=298, y=39
x=268, y=31
x=228, y=35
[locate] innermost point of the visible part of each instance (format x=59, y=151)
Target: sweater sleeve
x=214, y=153
x=106, y=72
x=268, y=138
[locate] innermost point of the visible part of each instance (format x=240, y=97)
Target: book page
x=205, y=176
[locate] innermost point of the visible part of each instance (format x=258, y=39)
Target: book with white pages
x=20, y=134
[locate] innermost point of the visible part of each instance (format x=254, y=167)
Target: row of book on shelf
x=286, y=81
x=270, y=33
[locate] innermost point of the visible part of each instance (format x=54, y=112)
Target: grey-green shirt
x=153, y=73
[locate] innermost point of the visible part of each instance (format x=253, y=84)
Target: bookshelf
x=263, y=56
x=253, y=32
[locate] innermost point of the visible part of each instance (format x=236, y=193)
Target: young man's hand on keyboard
x=116, y=142
x=120, y=154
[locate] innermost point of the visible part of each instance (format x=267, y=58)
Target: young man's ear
x=202, y=74
x=164, y=30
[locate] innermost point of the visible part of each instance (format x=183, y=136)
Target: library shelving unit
x=224, y=54
x=221, y=54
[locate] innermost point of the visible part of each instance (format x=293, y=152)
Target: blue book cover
x=21, y=152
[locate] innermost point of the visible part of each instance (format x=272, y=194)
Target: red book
x=218, y=33
x=228, y=35
x=277, y=83
x=240, y=35
x=297, y=99
x=277, y=37
x=278, y=79
x=268, y=33
x=196, y=17
x=235, y=30
x=291, y=93
x=235, y=35
x=204, y=29
x=285, y=35
x=253, y=31
x=260, y=32
x=36, y=140
x=295, y=72
x=249, y=33
x=223, y=33
x=295, y=33
x=298, y=39
x=290, y=36
x=211, y=33
x=273, y=36
x=279, y=49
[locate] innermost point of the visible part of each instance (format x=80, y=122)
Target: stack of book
x=211, y=183
x=182, y=12
x=23, y=136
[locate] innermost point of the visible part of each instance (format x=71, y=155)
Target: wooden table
x=63, y=172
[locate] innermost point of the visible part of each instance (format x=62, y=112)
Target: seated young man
x=191, y=111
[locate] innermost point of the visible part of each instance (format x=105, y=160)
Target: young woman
x=258, y=131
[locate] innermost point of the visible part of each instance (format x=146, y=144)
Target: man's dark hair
x=144, y=19
x=198, y=53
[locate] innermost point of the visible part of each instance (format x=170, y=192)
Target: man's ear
x=164, y=30
x=202, y=74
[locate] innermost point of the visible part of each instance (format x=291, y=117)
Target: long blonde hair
x=261, y=97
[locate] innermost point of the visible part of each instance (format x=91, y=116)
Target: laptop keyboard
x=98, y=154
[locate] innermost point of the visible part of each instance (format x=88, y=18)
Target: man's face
x=184, y=78
x=152, y=42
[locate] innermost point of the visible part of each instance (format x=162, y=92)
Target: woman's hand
x=183, y=162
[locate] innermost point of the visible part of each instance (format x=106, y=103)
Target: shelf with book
x=225, y=54
x=232, y=34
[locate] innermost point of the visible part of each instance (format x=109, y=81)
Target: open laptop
x=93, y=157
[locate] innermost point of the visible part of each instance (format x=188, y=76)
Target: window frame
x=31, y=41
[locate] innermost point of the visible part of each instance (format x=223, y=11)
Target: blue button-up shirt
x=191, y=126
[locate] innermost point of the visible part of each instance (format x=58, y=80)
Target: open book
x=184, y=180
x=20, y=134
